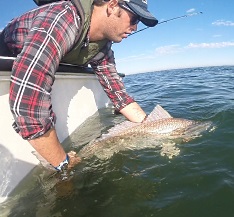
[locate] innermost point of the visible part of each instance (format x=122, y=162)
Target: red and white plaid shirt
x=41, y=38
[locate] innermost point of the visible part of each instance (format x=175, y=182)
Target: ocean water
x=199, y=182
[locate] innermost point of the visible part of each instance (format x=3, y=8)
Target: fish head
x=177, y=128
x=197, y=128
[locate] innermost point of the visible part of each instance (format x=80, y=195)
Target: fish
x=159, y=129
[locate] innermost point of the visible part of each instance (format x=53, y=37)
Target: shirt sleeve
x=51, y=34
x=111, y=82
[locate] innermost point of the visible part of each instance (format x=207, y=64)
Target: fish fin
x=43, y=161
x=118, y=129
x=157, y=114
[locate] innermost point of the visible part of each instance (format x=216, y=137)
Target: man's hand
x=73, y=159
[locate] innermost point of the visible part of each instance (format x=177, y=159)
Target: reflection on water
x=5, y=171
x=11, y=170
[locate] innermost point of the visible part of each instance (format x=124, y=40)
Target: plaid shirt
x=40, y=38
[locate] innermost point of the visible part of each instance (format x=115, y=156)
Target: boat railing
x=6, y=64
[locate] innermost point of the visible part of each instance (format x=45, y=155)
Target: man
x=79, y=32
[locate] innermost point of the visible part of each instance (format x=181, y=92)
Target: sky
x=205, y=39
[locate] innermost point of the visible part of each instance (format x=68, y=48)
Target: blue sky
x=201, y=40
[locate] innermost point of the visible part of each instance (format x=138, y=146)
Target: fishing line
x=165, y=21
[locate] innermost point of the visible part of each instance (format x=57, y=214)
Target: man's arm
x=115, y=89
x=51, y=150
x=47, y=41
x=49, y=147
x=133, y=112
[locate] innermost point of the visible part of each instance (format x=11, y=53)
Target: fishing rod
x=165, y=21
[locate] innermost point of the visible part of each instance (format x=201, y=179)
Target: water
x=197, y=182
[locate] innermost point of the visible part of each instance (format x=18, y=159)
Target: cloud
x=133, y=58
x=216, y=36
x=191, y=10
x=172, y=49
x=169, y=49
x=223, y=23
x=210, y=45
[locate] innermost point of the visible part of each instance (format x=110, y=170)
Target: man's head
x=116, y=19
x=138, y=7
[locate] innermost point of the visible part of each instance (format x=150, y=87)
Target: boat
x=76, y=95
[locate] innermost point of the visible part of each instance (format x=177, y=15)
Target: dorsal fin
x=157, y=114
x=119, y=129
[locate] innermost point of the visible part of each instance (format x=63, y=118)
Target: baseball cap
x=140, y=8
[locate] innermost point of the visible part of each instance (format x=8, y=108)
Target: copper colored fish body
x=162, y=127
x=159, y=125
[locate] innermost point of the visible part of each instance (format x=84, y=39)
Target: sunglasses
x=135, y=19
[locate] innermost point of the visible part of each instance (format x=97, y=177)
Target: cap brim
x=145, y=16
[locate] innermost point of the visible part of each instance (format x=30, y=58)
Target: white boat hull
x=75, y=97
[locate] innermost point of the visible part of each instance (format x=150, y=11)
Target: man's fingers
x=73, y=159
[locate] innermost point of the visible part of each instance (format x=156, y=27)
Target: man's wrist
x=63, y=165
